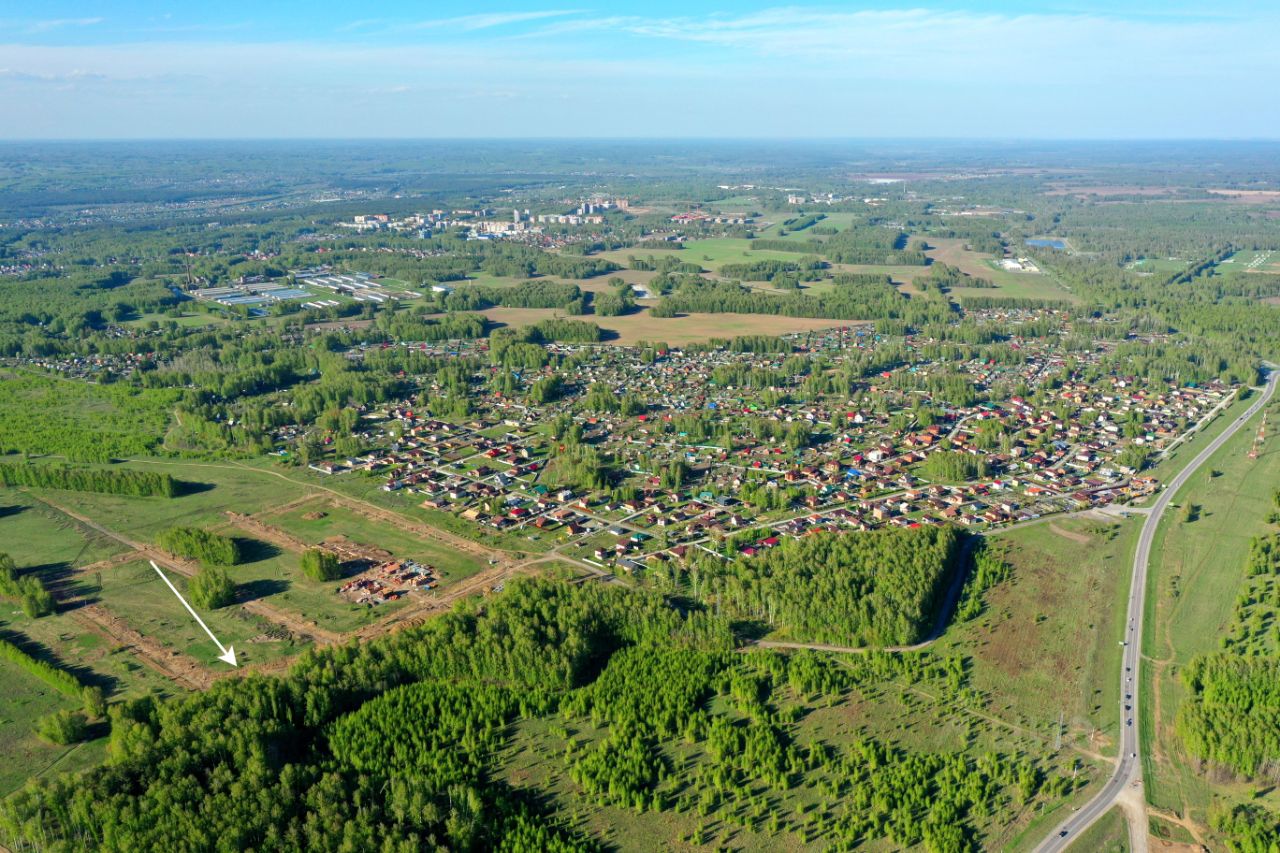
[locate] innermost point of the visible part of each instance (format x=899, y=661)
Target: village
x=856, y=464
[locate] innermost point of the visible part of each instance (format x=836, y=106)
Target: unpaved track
x=179, y=667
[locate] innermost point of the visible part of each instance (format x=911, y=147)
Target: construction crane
x=1259, y=438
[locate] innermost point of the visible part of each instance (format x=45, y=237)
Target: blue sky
x=936, y=68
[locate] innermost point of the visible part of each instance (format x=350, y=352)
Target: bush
x=95, y=702
x=321, y=565
x=63, y=727
x=211, y=588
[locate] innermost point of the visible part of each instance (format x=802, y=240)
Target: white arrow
x=228, y=652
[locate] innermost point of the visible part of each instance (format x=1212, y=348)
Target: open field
x=1252, y=262
x=712, y=253
x=1197, y=569
x=684, y=329
x=43, y=540
x=193, y=319
x=281, y=611
x=1047, y=647
x=341, y=521
x=136, y=595
x=1019, y=285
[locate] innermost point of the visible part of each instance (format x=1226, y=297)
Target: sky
x=981, y=69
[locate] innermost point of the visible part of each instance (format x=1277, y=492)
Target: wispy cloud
x=919, y=43
x=459, y=23
x=48, y=24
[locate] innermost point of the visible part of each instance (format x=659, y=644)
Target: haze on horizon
x=1133, y=69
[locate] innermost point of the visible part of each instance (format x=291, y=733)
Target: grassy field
x=275, y=576
x=46, y=541
x=1109, y=835
x=339, y=521
x=1158, y=265
x=218, y=487
x=1047, y=647
x=136, y=594
x=1197, y=568
x=1255, y=262
x=712, y=253
x=25, y=699
x=271, y=572
x=675, y=331
x=979, y=265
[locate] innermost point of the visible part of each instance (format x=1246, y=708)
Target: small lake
x=1045, y=243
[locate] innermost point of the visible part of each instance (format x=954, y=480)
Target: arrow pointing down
x=228, y=652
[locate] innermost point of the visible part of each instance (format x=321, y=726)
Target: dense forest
x=880, y=588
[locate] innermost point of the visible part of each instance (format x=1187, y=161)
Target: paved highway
x=1128, y=774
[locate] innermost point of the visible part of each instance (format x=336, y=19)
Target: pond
x=1048, y=243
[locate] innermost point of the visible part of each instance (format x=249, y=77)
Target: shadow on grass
x=254, y=550
x=40, y=652
x=6, y=511
x=261, y=588
x=71, y=588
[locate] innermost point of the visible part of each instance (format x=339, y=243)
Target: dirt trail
x=109, y=563
x=1079, y=538
x=386, y=516
x=189, y=568
x=266, y=532
x=168, y=662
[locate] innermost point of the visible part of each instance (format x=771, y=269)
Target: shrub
x=62, y=727
x=211, y=588
x=321, y=565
